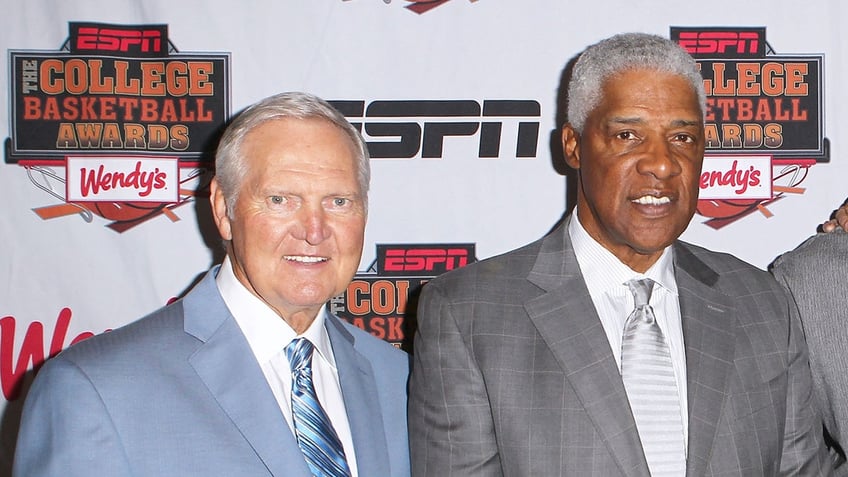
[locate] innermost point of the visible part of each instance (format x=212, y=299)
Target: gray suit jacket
x=816, y=273
x=513, y=374
x=179, y=393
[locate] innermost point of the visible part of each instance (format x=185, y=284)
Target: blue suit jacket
x=179, y=392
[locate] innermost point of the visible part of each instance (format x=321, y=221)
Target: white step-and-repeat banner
x=109, y=109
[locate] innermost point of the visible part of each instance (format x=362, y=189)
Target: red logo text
x=122, y=179
x=32, y=351
x=131, y=41
x=425, y=259
x=748, y=42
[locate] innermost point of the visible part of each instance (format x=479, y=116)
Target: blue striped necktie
x=648, y=376
x=315, y=434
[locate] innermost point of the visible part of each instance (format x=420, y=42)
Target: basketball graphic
x=123, y=211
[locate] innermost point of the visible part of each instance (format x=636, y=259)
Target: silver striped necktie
x=648, y=376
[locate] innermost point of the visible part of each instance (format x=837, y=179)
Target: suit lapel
x=566, y=318
x=225, y=363
x=567, y=321
x=708, y=333
x=362, y=404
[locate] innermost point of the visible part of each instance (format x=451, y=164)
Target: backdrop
x=110, y=109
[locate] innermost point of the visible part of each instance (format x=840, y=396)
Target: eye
x=340, y=201
x=683, y=137
x=626, y=135
x=277, y=199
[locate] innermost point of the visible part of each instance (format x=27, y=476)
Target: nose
x=312, y=226
x=659, y=160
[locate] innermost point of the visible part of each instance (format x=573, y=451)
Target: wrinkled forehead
x=648, y=84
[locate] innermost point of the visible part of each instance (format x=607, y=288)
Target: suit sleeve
x=450, y=416
x=804, y=451
x=66, y=428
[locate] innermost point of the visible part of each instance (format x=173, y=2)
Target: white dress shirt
x=268, y=335
x=606, y=277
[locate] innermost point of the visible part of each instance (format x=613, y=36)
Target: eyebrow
x=686, y=123
x=624, y=120
x=637, y=120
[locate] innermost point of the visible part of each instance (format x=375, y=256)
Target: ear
x=219, y=210
x=571, y=146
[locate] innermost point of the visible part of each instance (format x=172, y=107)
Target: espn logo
x=403, y=129
x=427, y=260
x=136, y=41
x=717, y=43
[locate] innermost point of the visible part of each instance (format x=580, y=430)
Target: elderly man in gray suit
x=609, y=347
x=816, y=273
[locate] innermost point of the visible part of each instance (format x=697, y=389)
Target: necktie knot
x=299, y=353
x=641, y=290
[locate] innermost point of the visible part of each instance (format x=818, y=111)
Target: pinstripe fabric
x=315, y=434
x=514, y=376
x=815, y=274
x=648, y=376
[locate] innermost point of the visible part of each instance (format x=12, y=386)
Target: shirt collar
x=606, y=271
x=266, y=332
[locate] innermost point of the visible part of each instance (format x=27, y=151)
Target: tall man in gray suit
x=536, y=362
x=249, y=374
x=816, y=274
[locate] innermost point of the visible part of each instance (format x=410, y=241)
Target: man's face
x=298, y=225
x=638, y=158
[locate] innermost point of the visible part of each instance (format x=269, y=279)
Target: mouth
x=651, y=200
x=305, y=258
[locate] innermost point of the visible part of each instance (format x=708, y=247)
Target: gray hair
x=623, y=52
x=230, y=166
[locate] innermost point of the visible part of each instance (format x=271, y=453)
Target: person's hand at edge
x=838, y=219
